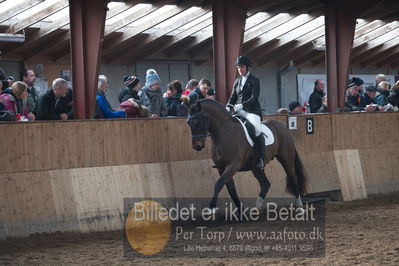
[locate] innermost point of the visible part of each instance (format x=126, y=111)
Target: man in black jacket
x=201, y=92
x=245, y=97
x=316, y=98
x=52, y=105
x=28, y=76
x=131, y=90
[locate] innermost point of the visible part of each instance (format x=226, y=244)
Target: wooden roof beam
x=394, y=64
x=385, y=57
x=143, y=11
x=150, y=21
x=38, y=16
x=256, y=19
x=62, y=22
x=199, y=39
x=262, y=6
x=358, y=54
x=265, y=26
x=165, y=30
x=198, y=49
x=363, y=39
x=39, y=36
x=295, y=54
x=278, y=31
x=18, y=9
x=375, y=33
x=56, y=42
x=278, y=50
x=62, y=53
x=173, y=44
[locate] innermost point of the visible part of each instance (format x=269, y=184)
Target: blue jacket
x=106, y=109
x=195, y=95
x=382, y=98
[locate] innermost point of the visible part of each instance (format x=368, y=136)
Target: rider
x=244, y=97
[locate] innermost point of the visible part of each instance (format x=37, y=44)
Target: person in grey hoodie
x=151, y=95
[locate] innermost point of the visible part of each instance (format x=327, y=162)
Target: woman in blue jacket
x=103, y=108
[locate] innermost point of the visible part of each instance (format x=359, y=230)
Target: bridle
x=204, y=130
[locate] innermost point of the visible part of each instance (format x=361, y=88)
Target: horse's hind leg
x=264, y=186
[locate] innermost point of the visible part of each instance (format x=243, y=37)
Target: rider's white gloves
x=228, y=108
x=238, y=107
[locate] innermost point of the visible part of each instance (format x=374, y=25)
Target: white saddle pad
x=268, y=134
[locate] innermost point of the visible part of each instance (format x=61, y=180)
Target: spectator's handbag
x=7, y=115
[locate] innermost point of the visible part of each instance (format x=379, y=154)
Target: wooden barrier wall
x=73, y=175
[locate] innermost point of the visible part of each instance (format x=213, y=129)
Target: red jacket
x=131, y=108
x=11, y=103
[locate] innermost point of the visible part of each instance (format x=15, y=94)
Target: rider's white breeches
x=253, y=119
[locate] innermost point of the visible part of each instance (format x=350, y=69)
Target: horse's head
x=198, y=124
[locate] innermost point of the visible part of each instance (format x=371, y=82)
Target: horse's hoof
x=259, y=203
x=300, y=211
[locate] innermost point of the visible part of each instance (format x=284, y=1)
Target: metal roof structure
x=276, y=32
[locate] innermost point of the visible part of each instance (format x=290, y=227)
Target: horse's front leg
x=223, y=179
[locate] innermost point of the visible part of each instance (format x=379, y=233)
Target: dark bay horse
x=232, y=153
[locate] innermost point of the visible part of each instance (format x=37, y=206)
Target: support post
x=87, y=22
x=228, y=31
x=340, y=25
x=340, y=30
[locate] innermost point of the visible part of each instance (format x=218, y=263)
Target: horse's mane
x=215, y=104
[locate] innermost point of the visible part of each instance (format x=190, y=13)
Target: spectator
x=28, y=76
x=358, y=83
x=69, y=100
x=323, y=108
x=191, y=85
x=315, y=99
x=5, y=82
x=173, y=95
x=382, y=97
x=53, y=105
x=151, y=95
x=354, y=101
x=183, y=109
x=211, y=94
x=201, y=92
x=131, y=90
x=10, y=80
x=295, y=108
x=103, y=107
x=369, y=96
x=14, y=99
x=134, y=109
x=379, y=78
x=282, y=111
x=394, y=97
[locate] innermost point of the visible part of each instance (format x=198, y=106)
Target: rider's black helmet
x=243, y=61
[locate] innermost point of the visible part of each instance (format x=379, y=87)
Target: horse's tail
x=301, y=177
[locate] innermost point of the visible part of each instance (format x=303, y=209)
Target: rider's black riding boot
x=260, y=146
